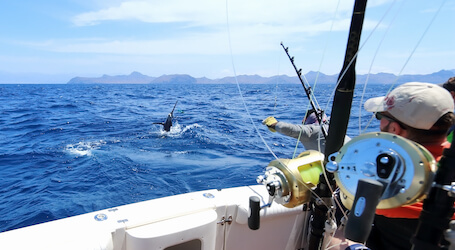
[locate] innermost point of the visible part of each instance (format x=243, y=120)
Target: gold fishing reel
x=405, y=168
x=289, y=181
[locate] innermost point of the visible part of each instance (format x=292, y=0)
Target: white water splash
x=190, y=127
x=84, y=148
x=177, y=129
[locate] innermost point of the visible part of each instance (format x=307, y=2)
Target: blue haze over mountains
x=138, y=78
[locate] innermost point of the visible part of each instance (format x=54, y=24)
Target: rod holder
x=253, y=217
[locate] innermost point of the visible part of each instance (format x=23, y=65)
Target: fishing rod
x=341, y=111
x=308, y=92
x=438, y=206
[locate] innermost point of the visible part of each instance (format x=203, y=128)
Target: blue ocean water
x=72, y=149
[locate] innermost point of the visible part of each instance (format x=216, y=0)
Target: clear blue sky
x=54, y=40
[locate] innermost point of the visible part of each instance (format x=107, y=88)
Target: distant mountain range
x=138, y=78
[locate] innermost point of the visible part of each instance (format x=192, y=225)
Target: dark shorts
x=392, y=233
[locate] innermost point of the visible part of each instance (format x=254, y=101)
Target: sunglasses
x=379, y=116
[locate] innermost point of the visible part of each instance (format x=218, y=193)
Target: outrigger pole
x=319, y=113
x=341, y=111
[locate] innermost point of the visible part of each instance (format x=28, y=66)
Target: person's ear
x=395, y=128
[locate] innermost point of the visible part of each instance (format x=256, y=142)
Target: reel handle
x=361, y=217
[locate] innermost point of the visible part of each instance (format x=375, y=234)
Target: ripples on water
x=71, y=149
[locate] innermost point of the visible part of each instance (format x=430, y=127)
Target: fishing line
x=276, y=103
x=331, y=97
x=372, y=62
x=238, y=85
x=312, y=96
x=297, y=143
x=326, y=44
x=334, y=90
x=413, y=51
x=311, y=101
x=276, y=84
x=351, y=62
x=247, y=111
x=420, y=40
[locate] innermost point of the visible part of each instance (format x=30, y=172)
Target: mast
x=341, y=111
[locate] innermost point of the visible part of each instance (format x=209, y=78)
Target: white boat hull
x=211, y=219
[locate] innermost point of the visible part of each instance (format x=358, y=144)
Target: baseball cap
x=416, y=104
x=313, y=119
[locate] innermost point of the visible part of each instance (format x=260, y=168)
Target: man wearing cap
x=309, y=133
x=421, y=112
x=450, y=86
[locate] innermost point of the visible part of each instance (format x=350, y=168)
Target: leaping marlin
x=168, y=123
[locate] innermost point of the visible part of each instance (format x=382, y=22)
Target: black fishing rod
x=438, y=206
x=319, y=113
x=341, y=111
